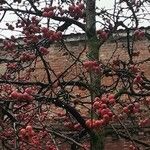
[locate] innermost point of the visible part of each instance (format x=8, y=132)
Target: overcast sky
x=11, y=17
x=108, y=4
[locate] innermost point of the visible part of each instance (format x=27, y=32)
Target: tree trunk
x=97, y=142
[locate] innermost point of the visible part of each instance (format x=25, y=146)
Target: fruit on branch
x=26, y=96
x=139, y=34
x=51, y=35
x=132, y=108
x=9, y=45
x=95, y=123
x=76, y=10
x=27, y=56
x=111, y=99
x=49, y=12
x=11, y=66
x=102, y=35
x=101, y=108
x=29, y=128
x=22, y=132
x=43, y=50
x=105, y=108
x=92, y=66
x=138, y=79
x=27, y=134
x=96, y=105
x=90, y=123
x=29, y=90
x=21, y=96
x=15, y=95
x=30, y=29
x=126, y=110
x=99, y=123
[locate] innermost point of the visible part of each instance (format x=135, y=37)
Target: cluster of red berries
x=30, y=29
x=92, y=66
x=43, y=50
x=132, y=108
x=76, y=10
x=139, y=34
x=31, y=38
x=102, y=35
x=27, y=56
x=26, y=132
x=25, y=96
x=94, y=124
x=138, y=74
x=51, y=35
x=33, y=27
x=49, y=12
x=72, y=126
x=9, y=45
x=28, y=135
x=104, y=112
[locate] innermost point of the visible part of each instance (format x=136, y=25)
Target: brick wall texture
x=59, y=61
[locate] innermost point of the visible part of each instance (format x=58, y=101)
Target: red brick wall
x=59, y=60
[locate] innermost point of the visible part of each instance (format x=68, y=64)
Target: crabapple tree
x=41, y=107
